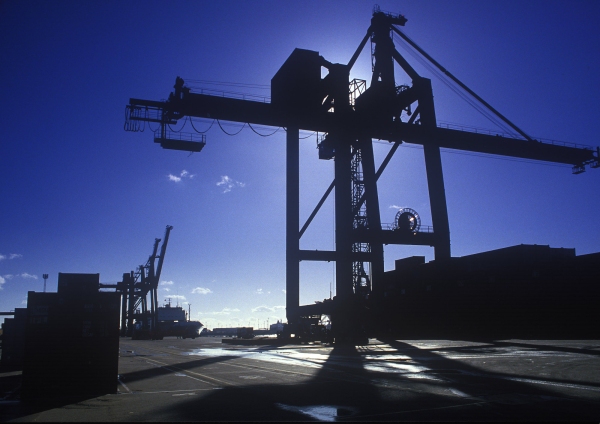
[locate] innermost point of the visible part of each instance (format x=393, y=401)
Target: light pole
x=45, y=277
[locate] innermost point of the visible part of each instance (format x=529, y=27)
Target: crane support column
x=130, y=287
x=435, y=176
x=343, y=318
x=373, y=216
x=437, y=200
x=343, y=218
x=124, y=294
x=292, y=274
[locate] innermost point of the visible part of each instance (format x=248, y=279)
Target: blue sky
x=79, y=194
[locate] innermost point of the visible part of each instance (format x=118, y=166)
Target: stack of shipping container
x=524, y=291
x=71, y=340
x=13, y=339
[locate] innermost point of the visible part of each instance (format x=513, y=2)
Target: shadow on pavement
x=348, y=387
x=391, y=381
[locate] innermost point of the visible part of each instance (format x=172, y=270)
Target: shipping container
x=71, y=341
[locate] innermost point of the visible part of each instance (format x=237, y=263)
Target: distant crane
x=351, y=116
x=136, y=286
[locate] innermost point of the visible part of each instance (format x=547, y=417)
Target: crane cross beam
x=238, y=110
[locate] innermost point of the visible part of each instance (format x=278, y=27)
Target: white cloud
x=201, y=290
x=10, y=256
x=26, y=275
x=224, y=311
x=2, y=281
x=183, y=174
x=8, y=276
x=264, y=308
x=228, y=183
x=166, y=289
x=177, y=297
x=261, y=309
x=261, y=291
x=395, y=207
x=166, y=283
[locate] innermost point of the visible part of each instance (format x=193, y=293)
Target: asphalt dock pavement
x=386, y=380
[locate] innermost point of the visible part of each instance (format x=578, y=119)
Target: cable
x=180, y=129
x=150, y=127
x=142, y=124
x=488, y=107
x=480, y=155
x=201, y=132
x=218, y=122
x=232, y=94
x=302, y=138
x=490, y=156
x=126, y=124
x=444, y=79
x=199, y=84
x=310, y=135
x=262, y=135
x=232, y=84
x=147, y=119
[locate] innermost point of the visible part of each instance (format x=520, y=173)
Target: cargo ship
x=171, y=321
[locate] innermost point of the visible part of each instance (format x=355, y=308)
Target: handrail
x=183, y=136
x=467, y=128
x=422, y=228
x=232, y=95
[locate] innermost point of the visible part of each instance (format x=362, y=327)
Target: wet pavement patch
x=328, y=413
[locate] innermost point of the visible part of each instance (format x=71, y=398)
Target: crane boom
x=246, y=111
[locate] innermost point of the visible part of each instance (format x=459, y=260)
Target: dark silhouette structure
x=13, y=338
x=351, y=115
x=135, y=288
x=71, y=345
x=524, y=292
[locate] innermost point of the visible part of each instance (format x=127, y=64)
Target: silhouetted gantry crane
x=136, y=286
x=351, y=116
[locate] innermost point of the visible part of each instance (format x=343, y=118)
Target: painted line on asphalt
x=552, y=383
x=534, y=381
x=176, y=369
x=186, y=391
x=123, y=384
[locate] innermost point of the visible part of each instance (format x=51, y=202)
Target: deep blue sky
x=79, y=194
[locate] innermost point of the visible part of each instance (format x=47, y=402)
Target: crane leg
x=292, y=275
x=435, y=176
x=437, y=200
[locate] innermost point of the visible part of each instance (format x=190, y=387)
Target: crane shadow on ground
x=401, y=382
